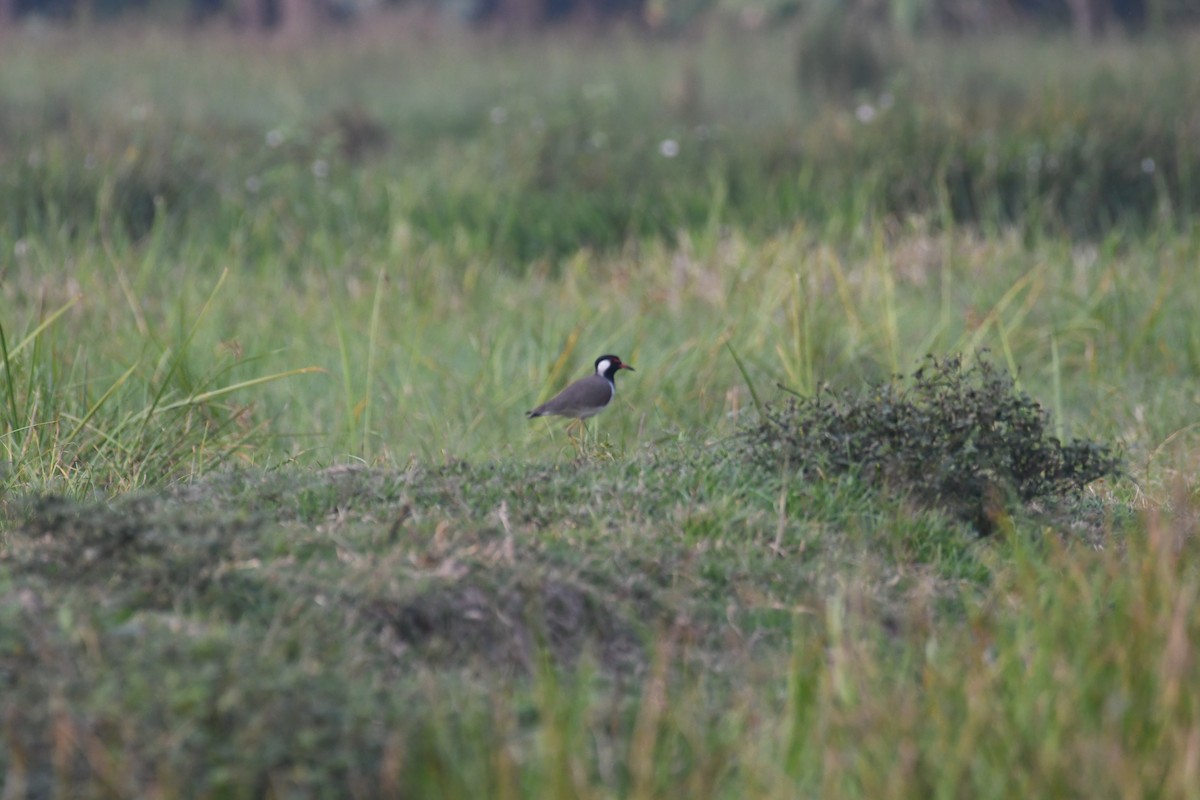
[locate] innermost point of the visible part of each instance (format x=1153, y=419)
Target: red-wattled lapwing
x=585, y=397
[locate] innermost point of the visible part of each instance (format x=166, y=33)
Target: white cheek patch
x=602, y=366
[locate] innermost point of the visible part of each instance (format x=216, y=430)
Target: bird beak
x=626, y=366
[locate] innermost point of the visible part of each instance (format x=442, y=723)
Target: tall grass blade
x=1056, y=388
x=10, y=393
x=99, y=404
x=758, y=403
x=205, y=397
x=1006, y=347
x=372, y=348
x=46, y=323
x=972, y=343
x=176, y=357
x=339, y=326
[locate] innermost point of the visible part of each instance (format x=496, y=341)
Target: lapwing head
x=607, y=366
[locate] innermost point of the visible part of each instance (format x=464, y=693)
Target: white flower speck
x=498, y=115
x=253, y=184
x=1148, y=165
x=865, y=113
x=669, y=148
x=274, y=137
x=320, y=168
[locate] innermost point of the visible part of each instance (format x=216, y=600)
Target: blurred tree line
x=1088, y=18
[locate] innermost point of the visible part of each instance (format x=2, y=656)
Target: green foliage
x=961, y=438
x=60, y=426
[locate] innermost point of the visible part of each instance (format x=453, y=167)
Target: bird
x=585, y=397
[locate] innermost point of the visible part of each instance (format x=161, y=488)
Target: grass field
x=273, y=523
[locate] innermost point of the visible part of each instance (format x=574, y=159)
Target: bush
x=960, y=438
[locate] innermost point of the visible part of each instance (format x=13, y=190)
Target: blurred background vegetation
x=1088, y=17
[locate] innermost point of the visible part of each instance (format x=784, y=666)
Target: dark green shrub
x=959, y=438
x=839, y=53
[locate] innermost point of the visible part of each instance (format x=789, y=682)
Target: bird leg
x=581, y=442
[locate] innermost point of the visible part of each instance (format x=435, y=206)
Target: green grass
x=272, y=520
